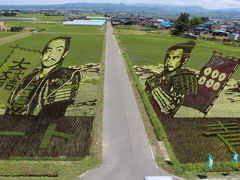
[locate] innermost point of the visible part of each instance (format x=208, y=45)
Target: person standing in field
x=49, y=89
x=166, y=91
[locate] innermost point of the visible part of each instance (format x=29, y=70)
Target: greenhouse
x=85, y=23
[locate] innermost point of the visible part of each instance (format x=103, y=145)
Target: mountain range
x=139, y=8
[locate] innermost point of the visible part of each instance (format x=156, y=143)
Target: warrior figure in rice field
x=167, y=90
x=49, y=89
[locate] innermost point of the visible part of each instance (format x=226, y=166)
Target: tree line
x=184, y=23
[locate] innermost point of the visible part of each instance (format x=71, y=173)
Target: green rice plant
x=11, y=133
x=149, y=49
x=50, y=132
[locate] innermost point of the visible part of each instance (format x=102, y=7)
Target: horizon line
x=111, y=3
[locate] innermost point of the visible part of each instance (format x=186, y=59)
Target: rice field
x=149, y=49
x=185, y=132
x=86, y=52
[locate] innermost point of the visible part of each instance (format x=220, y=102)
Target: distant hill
x=151, y=9
x=174, y=7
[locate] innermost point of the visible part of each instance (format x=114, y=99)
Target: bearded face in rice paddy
x=174, y=60
x=54, y=53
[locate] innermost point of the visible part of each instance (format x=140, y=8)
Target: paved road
x=126, y=151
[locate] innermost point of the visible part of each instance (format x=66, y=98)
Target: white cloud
x=210, y=4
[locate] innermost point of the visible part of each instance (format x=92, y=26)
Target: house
x=201, y=29
x=121, y=20
x=153, y=23
x=2, y=26
x=229, y=28
x=234, y=36
x=236, y=29
x=165, y=23
x=209, y=25
x=220, y=33
x=219, y=27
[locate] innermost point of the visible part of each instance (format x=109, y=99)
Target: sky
x=209, y=4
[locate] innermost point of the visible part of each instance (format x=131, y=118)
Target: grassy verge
x=65, y=170
x=187, y=171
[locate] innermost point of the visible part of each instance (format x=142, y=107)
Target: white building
x=85, y=23
x=2, y=26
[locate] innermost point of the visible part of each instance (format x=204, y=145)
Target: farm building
x=85, y=23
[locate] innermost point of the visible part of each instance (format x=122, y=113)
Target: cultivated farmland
x=85, y=54
x=6, y=34
x=149, y=49
x=184, y=134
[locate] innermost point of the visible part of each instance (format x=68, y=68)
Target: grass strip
x=50, y=132
x=12, y=133
x=30, y=175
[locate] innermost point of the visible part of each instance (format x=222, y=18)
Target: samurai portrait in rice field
x=49, y=89
x=167, y=90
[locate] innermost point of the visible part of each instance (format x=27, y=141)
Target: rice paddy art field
x=149, y=49
x=185, y=135
x=78, y=129
x=84, y=47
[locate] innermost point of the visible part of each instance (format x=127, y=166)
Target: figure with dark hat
x=166, y=90
x=49, y=89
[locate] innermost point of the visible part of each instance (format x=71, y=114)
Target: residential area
x=200, y=27
x=209, y=28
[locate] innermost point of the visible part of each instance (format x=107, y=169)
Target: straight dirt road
x=13, y=38
x=127, y=153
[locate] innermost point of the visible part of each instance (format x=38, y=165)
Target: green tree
x=195, y=21
x=205, y=19
x=17, y=28
x=182, y=24
x=9, y=14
